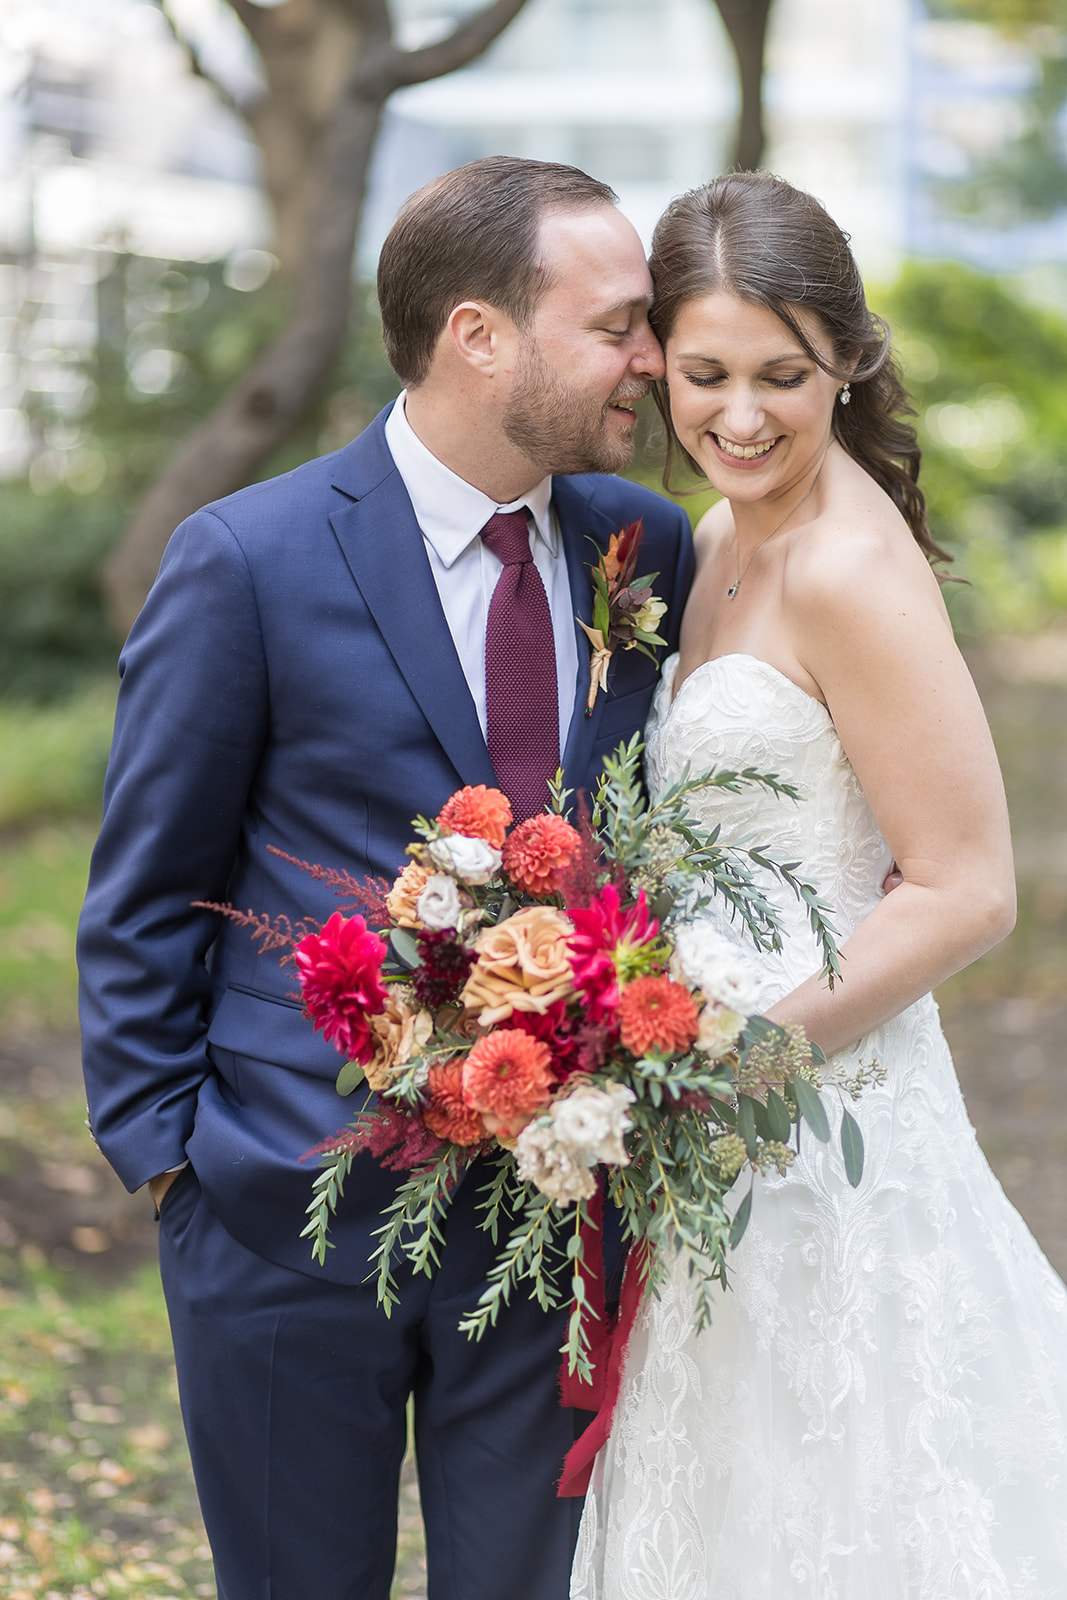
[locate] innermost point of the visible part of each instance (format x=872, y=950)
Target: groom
x=322, y=657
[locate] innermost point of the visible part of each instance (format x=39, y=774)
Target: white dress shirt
x=451, y=514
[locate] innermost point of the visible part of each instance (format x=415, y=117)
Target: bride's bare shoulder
x=860, y=555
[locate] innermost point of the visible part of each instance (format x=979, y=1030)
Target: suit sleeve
x=190, y=726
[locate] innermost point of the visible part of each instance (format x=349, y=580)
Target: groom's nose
x=647, y=361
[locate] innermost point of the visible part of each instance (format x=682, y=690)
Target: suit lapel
x=384, y=549
x=585, y=532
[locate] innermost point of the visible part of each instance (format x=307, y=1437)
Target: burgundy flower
x=340, y=977
x=445, y=968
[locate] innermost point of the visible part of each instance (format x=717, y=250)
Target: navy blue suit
x=292, y=681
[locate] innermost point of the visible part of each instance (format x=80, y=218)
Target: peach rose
x=397, y=1033
x=521, y=965
x=401, y=900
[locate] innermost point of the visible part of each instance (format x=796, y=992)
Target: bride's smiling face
x=747, y=401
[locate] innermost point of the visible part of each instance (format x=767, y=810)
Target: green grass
x=42, y=883
x=52, y=757
x=96, y=1498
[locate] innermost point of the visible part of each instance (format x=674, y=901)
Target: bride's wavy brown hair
x=754, y=236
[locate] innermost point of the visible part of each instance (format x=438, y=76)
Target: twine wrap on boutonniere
x=626, y=614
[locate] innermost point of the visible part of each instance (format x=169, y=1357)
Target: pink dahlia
x=604, y=934
x=340, y=976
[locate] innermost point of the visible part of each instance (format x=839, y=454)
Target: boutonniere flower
x=626, y=613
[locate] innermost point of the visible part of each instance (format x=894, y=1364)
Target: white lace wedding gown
x=879, y=1408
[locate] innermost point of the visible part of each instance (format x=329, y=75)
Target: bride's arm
x=871, y=628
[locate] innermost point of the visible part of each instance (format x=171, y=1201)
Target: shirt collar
x=450, y=511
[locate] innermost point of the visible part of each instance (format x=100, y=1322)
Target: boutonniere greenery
x=626, y=613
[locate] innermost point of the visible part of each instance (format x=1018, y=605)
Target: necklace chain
x=732, y=590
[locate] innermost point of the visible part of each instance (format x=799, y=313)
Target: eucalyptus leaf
x=852, y=1148
x=406, y=947
x=778, y=1117
x=740, y=1222
x=811, y=1109
x=746, y=1123
x=350, y=1077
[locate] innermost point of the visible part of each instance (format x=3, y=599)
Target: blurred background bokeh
x=192, y=196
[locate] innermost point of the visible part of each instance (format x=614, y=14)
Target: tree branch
x=197, y=67
x=458, y=48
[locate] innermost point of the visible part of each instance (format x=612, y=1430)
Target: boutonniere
x=625, y=611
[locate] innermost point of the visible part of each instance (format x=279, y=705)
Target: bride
x=878, y=1410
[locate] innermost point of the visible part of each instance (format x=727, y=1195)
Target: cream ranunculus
x=440, y=905
x=718, y=1029
x=592, y=1120
x=553, y=1168
x=703, y=959
x=471, y=860
x=521, y=965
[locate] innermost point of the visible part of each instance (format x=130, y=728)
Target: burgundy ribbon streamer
x=608, y=1352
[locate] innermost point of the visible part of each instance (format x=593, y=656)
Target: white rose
x=593, y=1120
x=702, y=959
x=471, y=860
x=551, y=1167
x=439, y=905
x=717, y=1030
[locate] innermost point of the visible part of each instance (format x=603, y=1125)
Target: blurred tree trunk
x=328, y=67
x=746, y=24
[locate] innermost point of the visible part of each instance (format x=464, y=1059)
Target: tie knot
x=505, y=534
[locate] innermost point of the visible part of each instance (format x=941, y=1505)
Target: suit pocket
x=255, y=1025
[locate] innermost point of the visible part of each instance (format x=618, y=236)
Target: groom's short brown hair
x=471, y=235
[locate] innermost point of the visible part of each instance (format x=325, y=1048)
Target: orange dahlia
x=539, y=852
x=657, y=1014
x=508, y=1075
x=477, y=812
x=448, y=1114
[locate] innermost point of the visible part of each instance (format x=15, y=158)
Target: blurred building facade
x=109, y=144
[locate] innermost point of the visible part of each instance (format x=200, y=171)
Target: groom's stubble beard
x=561, y=429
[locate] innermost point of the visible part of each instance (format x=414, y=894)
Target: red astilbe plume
x=448, y=1115
x=445, y=968
x=603, y=932
x=657, y=1015
x=478, y=813
x=396, y=1136
x=578, y=875
x=539, y=853
x=366, y=895
x=508, y=1075
x=340, y=978
x=270, y=933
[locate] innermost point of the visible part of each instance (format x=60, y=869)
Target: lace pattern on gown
x=879, y=1409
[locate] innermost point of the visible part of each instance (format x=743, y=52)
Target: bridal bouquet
x=553, y=997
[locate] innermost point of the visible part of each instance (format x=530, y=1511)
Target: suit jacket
x=291, y=681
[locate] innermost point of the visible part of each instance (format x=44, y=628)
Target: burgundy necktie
x=521, y=700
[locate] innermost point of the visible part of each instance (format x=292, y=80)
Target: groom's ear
x=481, y=336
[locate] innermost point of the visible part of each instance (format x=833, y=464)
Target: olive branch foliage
x=672, y=1194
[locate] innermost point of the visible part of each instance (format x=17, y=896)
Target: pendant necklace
x=732, y=590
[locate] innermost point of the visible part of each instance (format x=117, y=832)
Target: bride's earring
x=845, y=393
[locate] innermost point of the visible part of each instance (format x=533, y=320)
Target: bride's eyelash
x=709, y=380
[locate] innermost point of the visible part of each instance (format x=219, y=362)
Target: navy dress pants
x=294, y=1393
